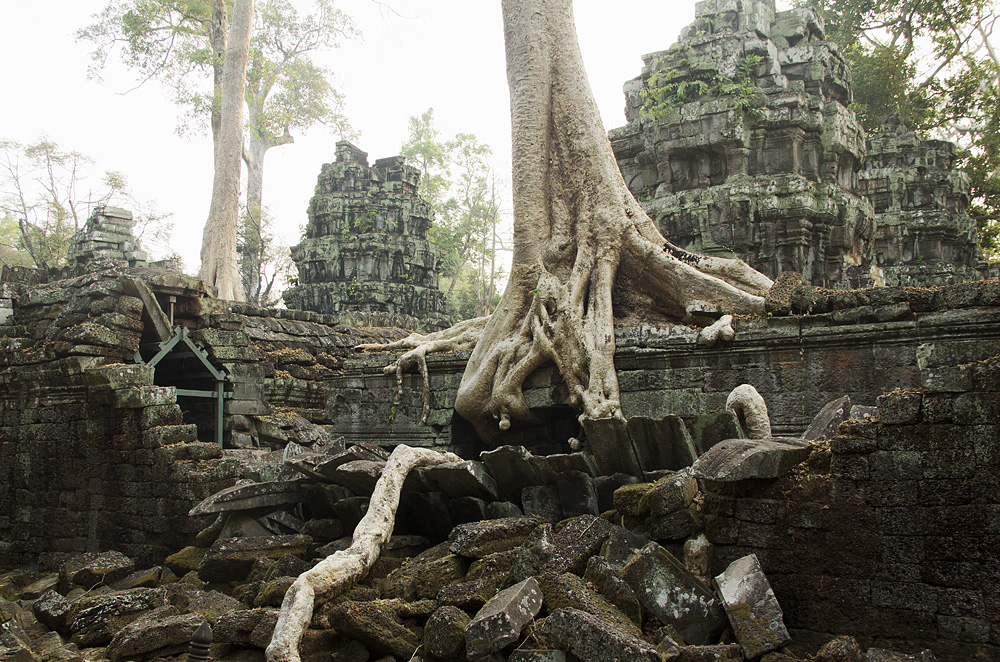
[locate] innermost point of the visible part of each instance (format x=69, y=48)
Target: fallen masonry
x=513, y=583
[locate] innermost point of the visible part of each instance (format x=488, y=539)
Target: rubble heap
x=366, y=246
x=507, y=559
x=924, y=235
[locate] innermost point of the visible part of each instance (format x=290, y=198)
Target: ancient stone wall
x=862, y=343
x=366, y=247
x=889, y=534
x=103, y=451
x=95, y=456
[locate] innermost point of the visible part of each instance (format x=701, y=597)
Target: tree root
x=579, y=237
x=338, y=572
x=459, y=338
x=721, y=330
x=751, y=411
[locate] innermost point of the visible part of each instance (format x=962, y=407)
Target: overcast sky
x=445, y=54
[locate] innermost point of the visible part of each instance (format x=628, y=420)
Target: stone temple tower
x=740, y=142
x=365, y=247
x=923, y=234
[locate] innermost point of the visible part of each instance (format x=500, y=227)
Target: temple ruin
x=740, y=142
x=169, y=459
x=365, y=247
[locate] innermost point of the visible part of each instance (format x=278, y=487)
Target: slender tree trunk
x=219, y=265
x=217, y=39
x=584, y=250
x=251, y=256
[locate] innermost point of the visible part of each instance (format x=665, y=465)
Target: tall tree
x=584, y=250
x=286, y=91
x=273, y=262
x=459, y=180
x=427, y=151
x=179, y=41
x=936, y=66
x=219, y=267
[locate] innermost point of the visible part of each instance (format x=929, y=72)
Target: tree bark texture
x=254, y=151
x=217, y=31
x=219, y=265
x=585, y=252
x=338, y=572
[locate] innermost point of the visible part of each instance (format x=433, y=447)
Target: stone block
x=608, y=440
x=461, y=479
x=604, y=575
x=98, y=619
x=94, y=569
x=577, y=494
x=444, y=634
x=567, y=590
x=359, y=476
x=232, y=559
x=467, y=509
x=53, y=610
x=512, y=470
x=824, y=424
x=675, y=596
x=162, y=633
x=146, y=396
x=377, y=625
x=480, y=539
x=741, y=459
x=578, y=539
x=500, y=621
x=271, y=494
x=753, y=611
x=605, y=486
x=594, y=640
x=707, y=430
x=542, y=501
x=661, y=443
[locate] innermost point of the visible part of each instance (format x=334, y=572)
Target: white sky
x=445, y=54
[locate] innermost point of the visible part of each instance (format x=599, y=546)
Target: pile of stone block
x=107, y=240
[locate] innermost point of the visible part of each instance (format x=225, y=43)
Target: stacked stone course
x=889, y=532
x=107, y=238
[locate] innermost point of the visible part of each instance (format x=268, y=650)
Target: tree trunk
x=251, y=256
x=219, y=265
x=584, y=250
x=217, y=39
